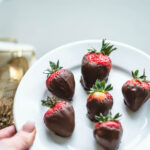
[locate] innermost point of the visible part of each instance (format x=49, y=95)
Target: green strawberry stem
x=53, y=68
x=106, y=48
x=49, y=102
x=141, y=78
x=109, y=117
x=100, y=86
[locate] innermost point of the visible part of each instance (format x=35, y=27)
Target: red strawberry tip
x=99, y=59
x=108, y=120
x=110, y=124
x=59, y=105
x=52, y=76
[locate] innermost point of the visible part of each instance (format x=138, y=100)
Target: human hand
x=22, y=140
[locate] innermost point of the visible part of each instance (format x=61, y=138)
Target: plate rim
x=62, y=47
x=67, y=45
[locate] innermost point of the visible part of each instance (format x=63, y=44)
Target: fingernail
x=28, y=127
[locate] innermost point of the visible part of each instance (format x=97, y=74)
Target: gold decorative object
x=10, y=76
x=8, y=39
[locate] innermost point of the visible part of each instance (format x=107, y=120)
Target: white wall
x=50, y=23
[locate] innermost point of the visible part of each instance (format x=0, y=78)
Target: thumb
x=24, y=138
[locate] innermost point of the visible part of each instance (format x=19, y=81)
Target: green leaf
x=53, y=68
x=92, y=50
x=109, y=88
x=50, y=102
x=103, y=85
x=107, y=48
x=135, y=74
x=118, y=115
x=58, y=64
x=141, y=78
x=101, y=118
x=100, y=86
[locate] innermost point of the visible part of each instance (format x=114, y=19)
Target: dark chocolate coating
x=62, y=122
x=95, y=107
x=91, y=72
x=135, y=96
x=107, y=137
x=63, y=85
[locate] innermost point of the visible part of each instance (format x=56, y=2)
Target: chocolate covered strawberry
x=60, y=81
x=99, y=100
x=136, y=91
x=60, y=117
x=108, y=131
x=96, y=65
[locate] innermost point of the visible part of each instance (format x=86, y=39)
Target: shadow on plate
x=97, y=146
x=57, y=139
x=132, y=114
x=91, y=123
x=116, y=67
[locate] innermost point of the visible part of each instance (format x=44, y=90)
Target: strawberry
x=96, y=65
x=108, y=131
x=99, y=100
x=136, y=91
x=60, y=81
x=60, y=117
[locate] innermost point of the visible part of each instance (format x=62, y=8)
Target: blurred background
x=47, y=24
x=42, y=25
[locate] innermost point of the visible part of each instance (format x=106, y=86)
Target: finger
x=24, y=138
x=7, y=132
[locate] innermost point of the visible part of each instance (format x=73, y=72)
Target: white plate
x=32, y=89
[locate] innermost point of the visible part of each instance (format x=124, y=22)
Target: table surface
x=48, y=24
